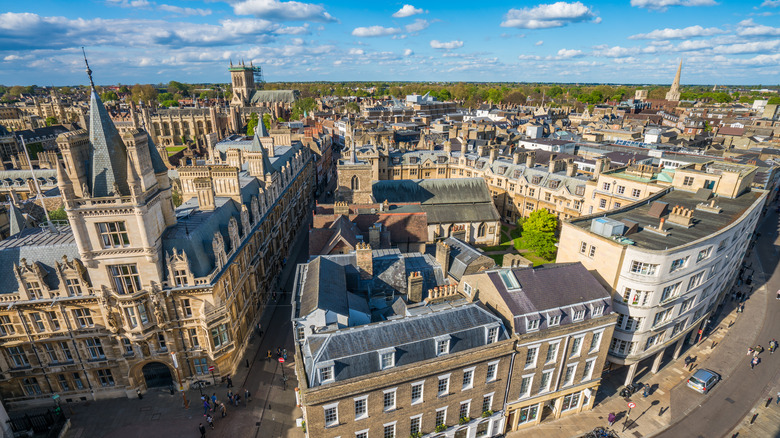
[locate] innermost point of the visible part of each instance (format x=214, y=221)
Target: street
x=715, y=414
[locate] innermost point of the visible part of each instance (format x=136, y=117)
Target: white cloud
x=407, y=11
x=663, y=4
x=670, y=34
x=771, y=3
x=293, y=30
x=275, y=9
x=539, y=43
x=178, y=10
x=615, y=52
x=356, y=52
x=545, y=16
x=529, y=57
x=375, y=31
x=436, y=44
x=568, y=53
x=408, y=52
x=139, y=4
x=417, y=26
x=749, y=28
x=751, y=47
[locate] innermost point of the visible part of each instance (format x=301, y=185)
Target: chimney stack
x=571, y=168
x=443, y=256
x=414, y=287
x=493, y=154
x=530, y=159
x=365, y=260
x=374, y=234
x=341, y=208
x=552, y=164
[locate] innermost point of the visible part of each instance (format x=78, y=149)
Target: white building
x=668, y=261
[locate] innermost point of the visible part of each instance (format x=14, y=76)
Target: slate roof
x=550, y=288
x=108, y=155
x=36, y=245
x=285, y=96
x=462, y=256
x=325, y=288
x=353, y=351
x=444, y=200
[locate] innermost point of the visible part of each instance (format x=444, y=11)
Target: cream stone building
x=668, y=260
x=132, y=293
x=517, y=183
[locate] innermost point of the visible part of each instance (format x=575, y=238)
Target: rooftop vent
x=607, y=227
x=658, y=209
x=681, y=216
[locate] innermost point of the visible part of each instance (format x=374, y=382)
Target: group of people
x=758, y=350
x=212, y=404
x=280, y=353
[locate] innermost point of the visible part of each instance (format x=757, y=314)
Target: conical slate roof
x=257, y=146
x=16, y=220
x=108, y=155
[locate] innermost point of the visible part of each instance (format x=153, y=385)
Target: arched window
x=481, y=230
x=355, y=183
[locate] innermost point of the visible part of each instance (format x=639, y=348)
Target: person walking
x=777, y=401
x=269, y=355
x=206, y=407
x=230, y=396
x=222, y=410
x=754, y=362
x=210, y=421
x=202, y=430
x=247, y=396
x=229, y=382
x=236, y=399
x=646, y=390
x=611, y=418
x=214, y=401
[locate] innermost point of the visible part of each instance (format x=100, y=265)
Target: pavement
x=672, y=409
x=272, y=412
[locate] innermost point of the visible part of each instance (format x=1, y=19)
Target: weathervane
x=89, y=72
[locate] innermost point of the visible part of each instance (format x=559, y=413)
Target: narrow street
x=716, y=414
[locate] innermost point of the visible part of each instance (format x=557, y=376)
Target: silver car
x=703, y=380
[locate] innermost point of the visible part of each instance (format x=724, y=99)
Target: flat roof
x=704, y=223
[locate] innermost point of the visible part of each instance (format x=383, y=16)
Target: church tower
x=674, y=91
x=243, y=80
x=117, y=196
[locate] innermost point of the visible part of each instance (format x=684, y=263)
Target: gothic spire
x=16, y=221
x=89, y=72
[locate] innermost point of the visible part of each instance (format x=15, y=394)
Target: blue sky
x=619, y=41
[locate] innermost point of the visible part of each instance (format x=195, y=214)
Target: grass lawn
x=536, y=259
x=498, y=258
x=174, y=149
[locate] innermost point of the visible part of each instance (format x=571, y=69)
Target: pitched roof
x=36, y=245
x=16, y=220
x=325, y=288
x=108, y=155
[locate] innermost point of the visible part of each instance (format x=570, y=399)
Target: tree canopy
x=251, y=124
x=539, y=233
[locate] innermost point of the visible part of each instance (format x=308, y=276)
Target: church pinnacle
x=674, y=90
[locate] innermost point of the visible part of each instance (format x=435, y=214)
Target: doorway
x=157, y=374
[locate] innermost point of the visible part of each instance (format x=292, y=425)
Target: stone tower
x=243, y=79
x=674, y=90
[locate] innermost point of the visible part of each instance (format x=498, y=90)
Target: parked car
x=703, y=380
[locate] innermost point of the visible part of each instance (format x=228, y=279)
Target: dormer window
x=492, y=335
x=386, y=358
x=598, y=310
x=442, y=345
x=327, y=372
x=34, y=290
x=578, y=315
x=536, y=179
x=553, y=320
x=532, y=324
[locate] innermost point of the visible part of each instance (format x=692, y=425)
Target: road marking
x=678, y=371
x=660, y=391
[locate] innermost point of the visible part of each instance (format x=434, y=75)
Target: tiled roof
x=36, y=245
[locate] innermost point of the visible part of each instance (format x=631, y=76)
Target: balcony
x=213, y=313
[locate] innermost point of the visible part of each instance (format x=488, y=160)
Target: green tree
x=123, y=89
x=58, y=215
x=352, y=107
x=302, y=106
x=267, y=121
x=774, y=100
x=251, y=124
x=542, y=221
x=109, y=96
x=51, y=121
x=177, y=87
x=146, y=93
x=17, y=90
x=169, y=103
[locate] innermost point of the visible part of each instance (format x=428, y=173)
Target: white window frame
x=328, y=366
x=527, y=392
x=364, y=414
x=417, y=417
x=442, y=341
x=470, y=383
x=438, y=385
x=491, y=401
x=362, y=433
x=573, y=353
x=553, y=320
x=547, y=359
x=532, y=364
x=325, y=410
x=546, y=388
x=386, y=425
x=593, y=348
x=393, y=391
x=382, y=353
x=422, y=392
x=577, y=315
x=468, y=409
x=494, y=364
x=531, y=325
x=467, y=289
x=444, y=420
x=569, y=382
x=589, y=374
x=492, y=339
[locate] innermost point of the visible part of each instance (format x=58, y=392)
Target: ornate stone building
x=99, y=306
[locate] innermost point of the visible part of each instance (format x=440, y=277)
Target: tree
x=251, y=124
x=51, y=121
x=542, y=221
x=302, y=106
x=146, y=93
x=109, y=96
x=774, y=100
x=539, y=233
x=177, y=87
x=58, y=215
x=267, y=121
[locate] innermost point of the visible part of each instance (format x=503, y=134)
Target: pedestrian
x=230, y=396
x=206, y=407
x=229, y=382
x=777, y=401
x=646, y=390
x=236, y=399
x=202, y=430
x=247, y=396
x=269, y=355
x=210, y=421
x=750, y=351
x=612, y=417
x=278, y=352
x=687, y=361
x=222, y=409
x=754, y=362
x=214, y=400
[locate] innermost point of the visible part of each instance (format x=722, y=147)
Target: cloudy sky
x=621, y=41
